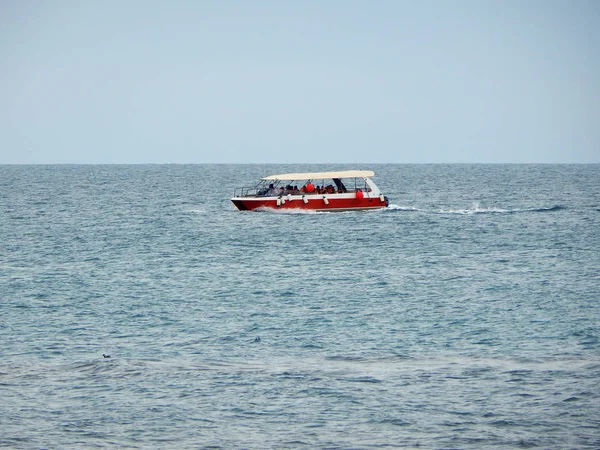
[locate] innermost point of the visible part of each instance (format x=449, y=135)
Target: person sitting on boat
x=271, y=192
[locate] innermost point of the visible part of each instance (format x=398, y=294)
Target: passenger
x=271, y=192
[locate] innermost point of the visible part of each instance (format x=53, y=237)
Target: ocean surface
x=464, y=315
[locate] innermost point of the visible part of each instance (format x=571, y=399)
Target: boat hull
x=309, y=203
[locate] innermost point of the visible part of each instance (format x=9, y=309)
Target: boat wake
x=475, y=209
x=402, y=208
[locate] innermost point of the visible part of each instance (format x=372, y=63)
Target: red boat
x=318, y=191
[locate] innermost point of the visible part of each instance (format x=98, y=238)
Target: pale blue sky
x=299, y=81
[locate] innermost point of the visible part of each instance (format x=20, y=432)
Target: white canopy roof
x=322, y=175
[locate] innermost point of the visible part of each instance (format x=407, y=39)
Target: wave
x=550, y=208
x=195, y=211
x=401, y=208
x=476, y=209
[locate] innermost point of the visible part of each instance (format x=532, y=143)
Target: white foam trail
x=402, y=208
x=475, y=209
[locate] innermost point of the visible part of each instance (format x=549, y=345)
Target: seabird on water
x=106, y=356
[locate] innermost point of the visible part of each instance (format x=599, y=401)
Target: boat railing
x=245, y=192
x=365, y=185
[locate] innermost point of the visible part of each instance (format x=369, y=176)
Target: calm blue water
x=466, y=315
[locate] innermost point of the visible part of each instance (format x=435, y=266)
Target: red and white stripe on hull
x=331, y=202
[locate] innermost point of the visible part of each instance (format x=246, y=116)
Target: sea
x=465, y=315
